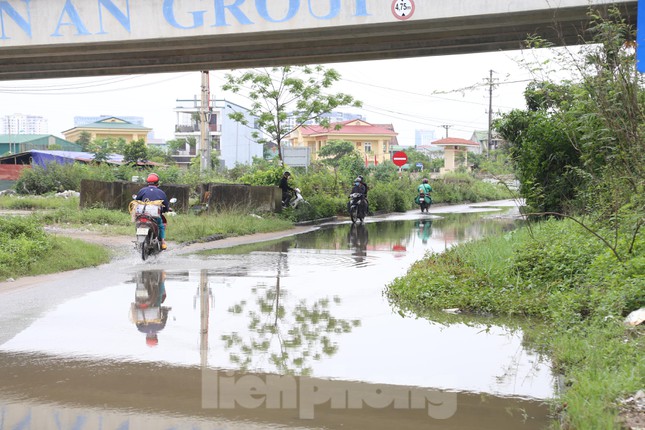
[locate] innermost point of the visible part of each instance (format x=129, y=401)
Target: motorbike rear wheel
x=145, y=248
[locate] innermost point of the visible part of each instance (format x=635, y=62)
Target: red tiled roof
x=454, y=141
x=349, y=127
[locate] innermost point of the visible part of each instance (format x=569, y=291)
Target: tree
x=135, y=151
x=279, y=92
x=578, y=150
x=332, y=154
x=84, y=140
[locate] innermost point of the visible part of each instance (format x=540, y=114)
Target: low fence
x=118, y=194
x=215, y=197
x=242, y=197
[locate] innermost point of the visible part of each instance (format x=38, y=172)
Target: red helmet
x=153, y=178
x=152, y=340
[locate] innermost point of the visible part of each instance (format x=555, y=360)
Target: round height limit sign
x=403, y=9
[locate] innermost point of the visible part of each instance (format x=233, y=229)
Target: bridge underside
x=462, y=35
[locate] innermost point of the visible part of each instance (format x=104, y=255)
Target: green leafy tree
x=85, y=139
x=282, y=91
x=175, y=145
x=135, y=151
x=333, y=153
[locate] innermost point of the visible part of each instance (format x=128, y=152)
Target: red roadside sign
x=400, y=158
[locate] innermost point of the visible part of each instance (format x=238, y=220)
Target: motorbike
x=296, y=199
x=144, y=216
x=424, y=201
x=357, y=207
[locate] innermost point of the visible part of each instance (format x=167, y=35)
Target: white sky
x=414, y=93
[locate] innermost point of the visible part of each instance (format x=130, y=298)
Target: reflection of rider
x=358, y=238
x=152, y=192
x=425, y=230
x=148, y=314
x=424, y=188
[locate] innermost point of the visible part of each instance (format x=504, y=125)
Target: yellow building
x=111, y=127
x=372, y=141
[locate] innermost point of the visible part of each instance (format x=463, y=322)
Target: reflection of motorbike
x=358, y=237
x=144, y=215
x=357, y=207
x=146, y=311
x=424, y=201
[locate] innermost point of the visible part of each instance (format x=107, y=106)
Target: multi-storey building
x=24, y=124
x=233, y=141
x=372, y=141
x=110, y=127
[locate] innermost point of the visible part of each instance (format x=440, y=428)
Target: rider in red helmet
x=153, y=192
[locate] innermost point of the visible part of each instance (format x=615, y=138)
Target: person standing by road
x=286, y=189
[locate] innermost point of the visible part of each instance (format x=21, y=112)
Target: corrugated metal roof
x=455, y=141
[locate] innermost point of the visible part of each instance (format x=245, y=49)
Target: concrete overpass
x=68, y=38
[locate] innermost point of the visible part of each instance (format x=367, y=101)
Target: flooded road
x=293, y=333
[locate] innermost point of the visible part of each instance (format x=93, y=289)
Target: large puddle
x=289, y=334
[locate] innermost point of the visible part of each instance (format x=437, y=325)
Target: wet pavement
x=291, y=333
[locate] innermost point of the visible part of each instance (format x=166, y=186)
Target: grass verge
x=558, y=273
x=15, y=202
x=70, y=254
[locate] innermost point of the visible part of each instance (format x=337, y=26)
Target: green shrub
x=23, y=241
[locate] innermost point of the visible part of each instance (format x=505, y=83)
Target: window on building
x=367, y=146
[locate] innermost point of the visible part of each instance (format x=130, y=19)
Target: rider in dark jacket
x=286, y=188
x=358, y=187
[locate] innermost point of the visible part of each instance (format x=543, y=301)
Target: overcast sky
x=414, y=93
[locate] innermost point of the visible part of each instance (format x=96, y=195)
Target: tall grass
x=189, y=227
x=25, y=249
x=572, y=282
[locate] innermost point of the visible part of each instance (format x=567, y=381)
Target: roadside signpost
x=399, y=158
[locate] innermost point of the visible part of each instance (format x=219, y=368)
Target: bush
x=23, y=241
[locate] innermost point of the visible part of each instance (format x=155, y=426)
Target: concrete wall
x=243, y=197
x=118, y=195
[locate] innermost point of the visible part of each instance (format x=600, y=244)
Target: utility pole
x=204, y=117
x=490, y=112
x=446, y=127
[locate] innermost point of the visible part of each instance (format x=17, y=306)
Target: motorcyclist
x=286, y=189
x=367, y=202
x=152, y=192
x=424, y=188
x=359, y=188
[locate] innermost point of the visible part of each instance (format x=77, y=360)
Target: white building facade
x=24, y=124
x=233, y=141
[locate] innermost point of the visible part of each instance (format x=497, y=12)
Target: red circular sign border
x=408, y=16
x=398, y=154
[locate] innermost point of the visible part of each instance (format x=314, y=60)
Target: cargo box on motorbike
x=149, y=209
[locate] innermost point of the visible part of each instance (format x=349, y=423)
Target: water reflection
x=294, y=306
x=146, y=312
x=424, y=230
x=358, y=239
